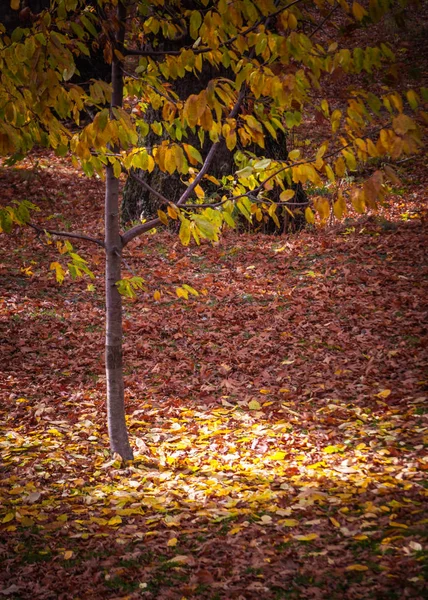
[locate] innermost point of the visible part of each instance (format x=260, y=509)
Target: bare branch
x=321, y=25
x=149, y=187
x=139, y=230
x=67, y=234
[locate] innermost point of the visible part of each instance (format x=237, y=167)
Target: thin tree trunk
x=118, y=433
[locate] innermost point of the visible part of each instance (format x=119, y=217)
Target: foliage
x=279, y=65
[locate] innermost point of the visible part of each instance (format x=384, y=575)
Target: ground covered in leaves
x=278, y=418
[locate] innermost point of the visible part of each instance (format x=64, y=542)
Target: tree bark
x=118, y=433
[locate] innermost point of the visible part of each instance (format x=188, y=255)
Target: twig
x=149, y=187
x=321, y=25
x=71, y=234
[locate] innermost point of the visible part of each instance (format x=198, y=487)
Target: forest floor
x=279, y=418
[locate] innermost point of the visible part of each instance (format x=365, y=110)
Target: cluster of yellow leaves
x=236, y=38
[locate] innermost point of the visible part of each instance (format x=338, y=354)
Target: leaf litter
x=279, y=419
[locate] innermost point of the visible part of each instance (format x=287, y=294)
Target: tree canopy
x=280, y=58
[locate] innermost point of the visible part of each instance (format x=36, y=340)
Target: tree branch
x=71, y=234
x=321, y=25
x=149, y=187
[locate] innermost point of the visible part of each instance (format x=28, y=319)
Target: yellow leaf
x=413, y=99
x=190, y=110
x=356, y=568
x=172, y=211
x=170, y=163
x=157, y=295
x=289, y=522
x=361, y=536
x=371, y=148
x=234, y=530
x=62, y=518
x=383, y=394
x=68, y=554
x=340, y=167
x=333, y=449
x=286, y=195
x=322, y=206
x=182, y=293
x=350, y=160
x=231, y=140
x=294, y=154
x=117, y=169
x=334, y=522
x=172, y=542
x=276, y=456
x=254, y=405
x=306, y=538
x=117, y=520
x=292, y=21
x=358, y=11
x=59, y=271
x=184, y=233
x=399, y=525
x=163, y=217
x=263, y=391
x=14, y=4
x=199, y=192
x=190, y=289
x=339, y=207
x=9, y=517
x=309, y=215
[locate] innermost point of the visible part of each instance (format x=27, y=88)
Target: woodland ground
x=279, y=418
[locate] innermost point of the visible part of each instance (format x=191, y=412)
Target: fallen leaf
x=254, y=405
x=172, y=542
x=289, y=522
x=383, y=394
x=306, y=538
x=356, y=568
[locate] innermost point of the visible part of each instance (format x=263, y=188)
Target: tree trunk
x=118, y=433
x=114, y=366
